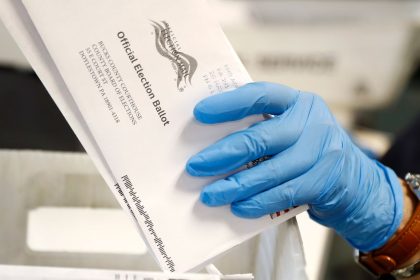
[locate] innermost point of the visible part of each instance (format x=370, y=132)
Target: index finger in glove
x=250, y=99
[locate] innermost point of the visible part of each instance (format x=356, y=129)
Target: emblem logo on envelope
x=168, y=47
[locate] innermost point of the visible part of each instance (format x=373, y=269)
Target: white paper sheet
x=119, y=122
x=50, y=273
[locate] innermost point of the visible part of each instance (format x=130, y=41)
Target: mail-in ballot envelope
x=129, y=74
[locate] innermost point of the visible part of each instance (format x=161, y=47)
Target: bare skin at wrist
x=409, y=208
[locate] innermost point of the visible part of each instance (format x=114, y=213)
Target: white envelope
x=126, y=75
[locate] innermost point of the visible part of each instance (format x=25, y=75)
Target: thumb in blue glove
x=313, y=161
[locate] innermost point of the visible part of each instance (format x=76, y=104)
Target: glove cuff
x=378, y=216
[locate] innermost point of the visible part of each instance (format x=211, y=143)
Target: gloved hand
x=313, y=162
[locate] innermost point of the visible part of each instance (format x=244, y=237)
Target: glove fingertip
x=242, y=210
x=198, y=168
x=209, y=199
x=191, y=170
x=194, y=168
x=202, y=114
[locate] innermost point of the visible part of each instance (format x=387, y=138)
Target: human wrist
x=410, y=202
x=399, y=256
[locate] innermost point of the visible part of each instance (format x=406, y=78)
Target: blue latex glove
x=313, y=162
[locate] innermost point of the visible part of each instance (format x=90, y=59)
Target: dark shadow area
x=29, y=119
x=399, y=115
